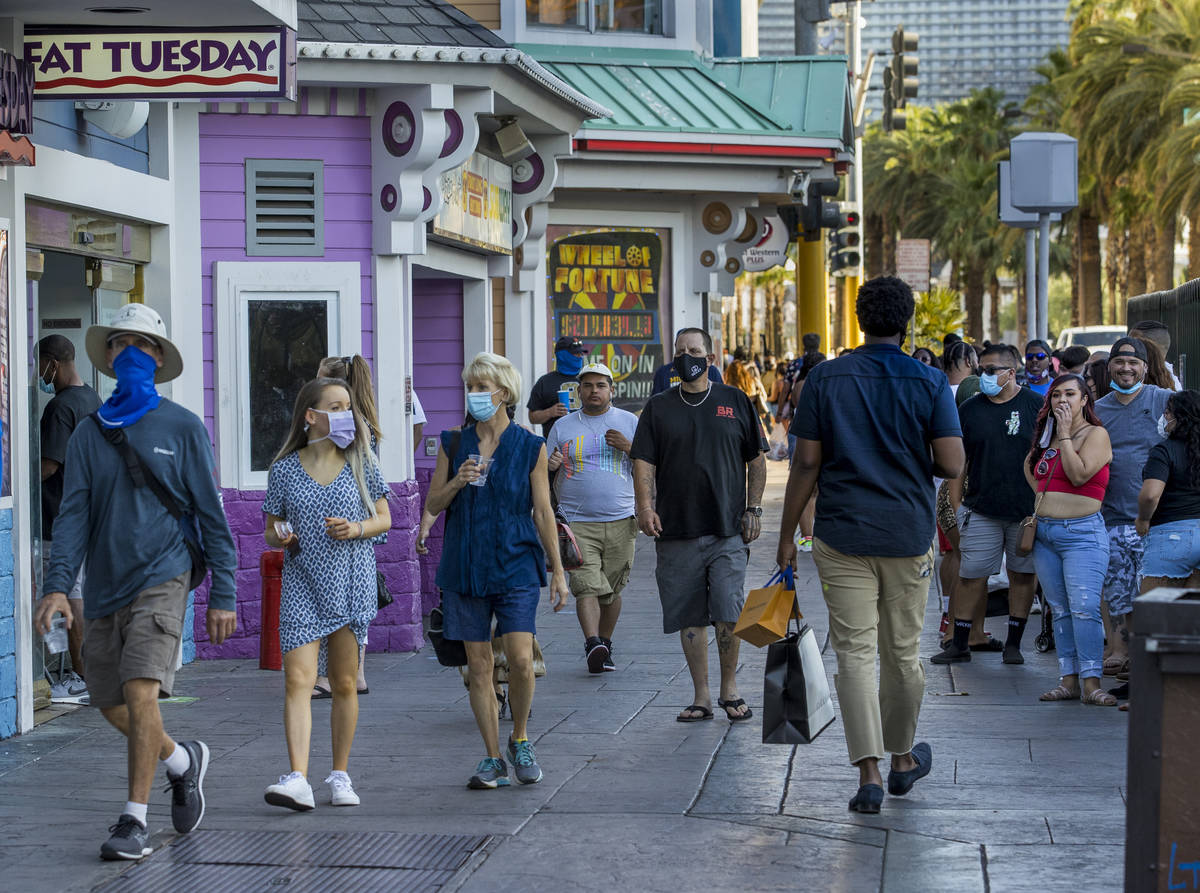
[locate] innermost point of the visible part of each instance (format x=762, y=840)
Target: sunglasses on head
x=994, y=370
x=1040, y=355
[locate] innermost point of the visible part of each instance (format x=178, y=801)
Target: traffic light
x=899, y=79
x=845, y=243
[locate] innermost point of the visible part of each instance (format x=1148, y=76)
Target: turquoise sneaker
x=521, y=755
x=490, y=773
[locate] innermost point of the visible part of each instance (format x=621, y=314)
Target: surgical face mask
x=1162, y=427
x=342, y=429
x=480, y=405
x=990, y=384
x=1120, y=390
x=48, y=386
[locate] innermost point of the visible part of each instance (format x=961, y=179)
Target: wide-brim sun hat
x=136, y=319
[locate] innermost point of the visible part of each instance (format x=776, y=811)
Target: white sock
x=178, y=762
x=137, y=810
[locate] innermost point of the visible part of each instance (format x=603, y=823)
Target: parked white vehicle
x=1095, y=337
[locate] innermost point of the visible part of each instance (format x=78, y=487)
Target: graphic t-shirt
x=544, y=394
x=595, y=482
x=997, y=438
x=699, y=447
x=60, y=418
x=1180, y=501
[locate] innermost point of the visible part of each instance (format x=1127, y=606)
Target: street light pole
x=1031, y=290
x=1043, y=296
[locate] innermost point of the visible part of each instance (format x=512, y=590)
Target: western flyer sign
x=605, y=288
x=203, y=64
x=912, y=263
x=477, y=205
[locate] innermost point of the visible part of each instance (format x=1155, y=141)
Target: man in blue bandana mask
x=135, y=592
x=546, y=405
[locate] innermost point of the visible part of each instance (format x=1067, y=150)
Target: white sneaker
x=342, y=789
x=70, y=689
x=292, y=791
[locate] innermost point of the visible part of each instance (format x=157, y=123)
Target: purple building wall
x=343, y=144
x=437, y=377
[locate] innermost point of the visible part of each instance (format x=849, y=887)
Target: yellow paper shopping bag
x=764, y=617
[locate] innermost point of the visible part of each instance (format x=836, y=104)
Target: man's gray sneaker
x=70, y=689
x=521, y=755
x=128, y=841
x=187, y=790
x=490, y=773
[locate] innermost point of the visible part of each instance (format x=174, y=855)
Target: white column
x=393, y=363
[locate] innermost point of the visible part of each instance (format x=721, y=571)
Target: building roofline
x=518, y=59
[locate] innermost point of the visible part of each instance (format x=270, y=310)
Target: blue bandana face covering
x=567, y=362
x=135, y=395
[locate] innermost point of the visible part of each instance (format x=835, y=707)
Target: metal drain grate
x=300, y=861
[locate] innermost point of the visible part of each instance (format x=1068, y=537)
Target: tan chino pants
x=876, y=606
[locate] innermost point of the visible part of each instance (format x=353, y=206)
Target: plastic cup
x=56, y=638
x=483, y=465
x=564, y=397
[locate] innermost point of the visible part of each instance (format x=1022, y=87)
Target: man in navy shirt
x=873, y=428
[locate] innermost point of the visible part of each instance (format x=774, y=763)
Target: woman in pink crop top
x=1068, y=470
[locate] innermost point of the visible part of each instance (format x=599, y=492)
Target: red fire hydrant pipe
x=270, y=566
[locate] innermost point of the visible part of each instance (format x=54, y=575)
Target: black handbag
x=382, y=597
x=450, y=652
x=143, y=477
x=797, y=705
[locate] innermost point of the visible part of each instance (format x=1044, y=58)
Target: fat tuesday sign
x=208, y=64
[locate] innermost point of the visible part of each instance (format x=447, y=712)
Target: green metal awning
x=676, y=92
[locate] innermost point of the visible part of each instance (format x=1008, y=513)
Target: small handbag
x=382, y=597
x=1028, y=535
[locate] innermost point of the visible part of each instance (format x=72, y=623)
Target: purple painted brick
x=250, y=547
x=405, y=638
x=250, y=617
x=240, y=649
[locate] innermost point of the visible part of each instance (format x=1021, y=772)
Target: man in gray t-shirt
x=1130, y=414
x=588, y=454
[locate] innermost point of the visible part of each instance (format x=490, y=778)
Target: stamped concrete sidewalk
x=1023, y=795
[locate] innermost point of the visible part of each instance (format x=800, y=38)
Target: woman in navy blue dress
x=500, y=536
x=326, y=498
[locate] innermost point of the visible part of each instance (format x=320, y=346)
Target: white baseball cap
x=596, y=369
x=137, y=319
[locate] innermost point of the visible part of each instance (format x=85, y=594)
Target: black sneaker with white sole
x=128, y=841
x=597, y=652
x=187, y=790
x=609, y=666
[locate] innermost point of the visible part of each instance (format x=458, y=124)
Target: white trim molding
x=233, y=284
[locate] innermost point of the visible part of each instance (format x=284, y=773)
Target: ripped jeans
x=1071, y=557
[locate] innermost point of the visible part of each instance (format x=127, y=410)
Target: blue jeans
x=1071, y=557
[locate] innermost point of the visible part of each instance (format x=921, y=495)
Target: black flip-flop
x=705, y=713
x=734, y=705
x=320, y=693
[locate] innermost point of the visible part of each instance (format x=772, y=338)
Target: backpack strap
x=141, y=475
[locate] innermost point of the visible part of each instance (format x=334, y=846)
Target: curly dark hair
x=1185, y=407
x=885, y=305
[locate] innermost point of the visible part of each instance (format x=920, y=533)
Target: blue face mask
x=1120, y=390
x=990, y=385
x=135, y=395
x=480, y=405
x=47, y=387
x=567, y=362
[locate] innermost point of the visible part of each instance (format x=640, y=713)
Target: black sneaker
x=1013, y=655
x=609, y=666
x=187, y=790
x=951, y=654
x=597, y=652
x=128, y=841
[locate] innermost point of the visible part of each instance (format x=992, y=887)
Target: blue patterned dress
x=331, y=583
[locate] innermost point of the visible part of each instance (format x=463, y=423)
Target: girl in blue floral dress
x=326, y=498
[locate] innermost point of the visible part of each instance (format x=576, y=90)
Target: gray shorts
x=701, y=581
x=983, y=541
x=140, y=640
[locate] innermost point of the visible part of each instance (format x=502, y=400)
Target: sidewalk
x=1023, y=796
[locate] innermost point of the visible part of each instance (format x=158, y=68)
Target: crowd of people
x=1014, y=461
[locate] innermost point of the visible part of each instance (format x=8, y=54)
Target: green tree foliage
x=938, y=311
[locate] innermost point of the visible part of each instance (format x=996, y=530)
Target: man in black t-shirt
x=698, y=477
x=544, y=405
x=73, y=402
x=998, y=425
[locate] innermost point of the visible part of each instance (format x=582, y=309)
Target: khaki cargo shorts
x=140, y=640
x=607, y=549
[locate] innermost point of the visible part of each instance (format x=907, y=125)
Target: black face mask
x=690, y=368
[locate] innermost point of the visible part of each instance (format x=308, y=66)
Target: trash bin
x=1162, y=815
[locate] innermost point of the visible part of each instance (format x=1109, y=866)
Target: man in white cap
x=588, y=452
x=139, y=564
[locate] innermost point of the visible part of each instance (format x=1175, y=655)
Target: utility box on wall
x=1162, y=818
